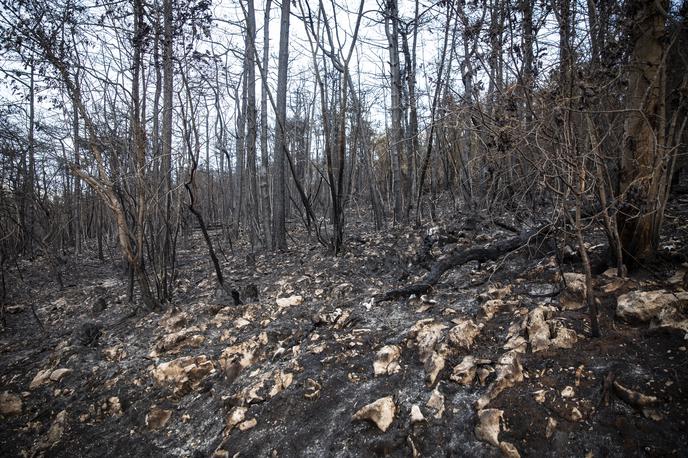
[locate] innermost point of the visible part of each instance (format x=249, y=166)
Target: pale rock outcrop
x=10, y=404
x=509, y=373
x=647, y=305
x=488, y=427
x=386, y=360
x=380, y=412
x=183, y=373
x=464, y=333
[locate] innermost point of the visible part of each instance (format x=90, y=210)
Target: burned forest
x=314, y=228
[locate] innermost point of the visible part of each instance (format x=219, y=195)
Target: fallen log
x=462, y=256
x=424, y=255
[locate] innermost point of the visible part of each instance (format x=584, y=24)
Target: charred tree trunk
x=395, y=140
x=645, y=160
x=266, y=210
x=280, y=189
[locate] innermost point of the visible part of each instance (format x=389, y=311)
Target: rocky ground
x=496, y=360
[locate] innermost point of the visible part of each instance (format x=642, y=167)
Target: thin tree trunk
x=264, y=175
x=139, y=149
x=166, y=201
x=395, y=140
x=253, y=217
x=193, y=152
x=29, y=192
x=77, y=183
x=280, y=188
x=240, y=151
x=410, y=60
x=433, y=110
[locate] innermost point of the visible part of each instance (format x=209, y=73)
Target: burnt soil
x=328, y=344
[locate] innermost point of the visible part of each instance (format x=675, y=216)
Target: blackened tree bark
x=253, y=217
x=645, y=160
x=391, y=14
x=139, y=150
x=279, y=196
x=266, y=210
x=166, y=147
